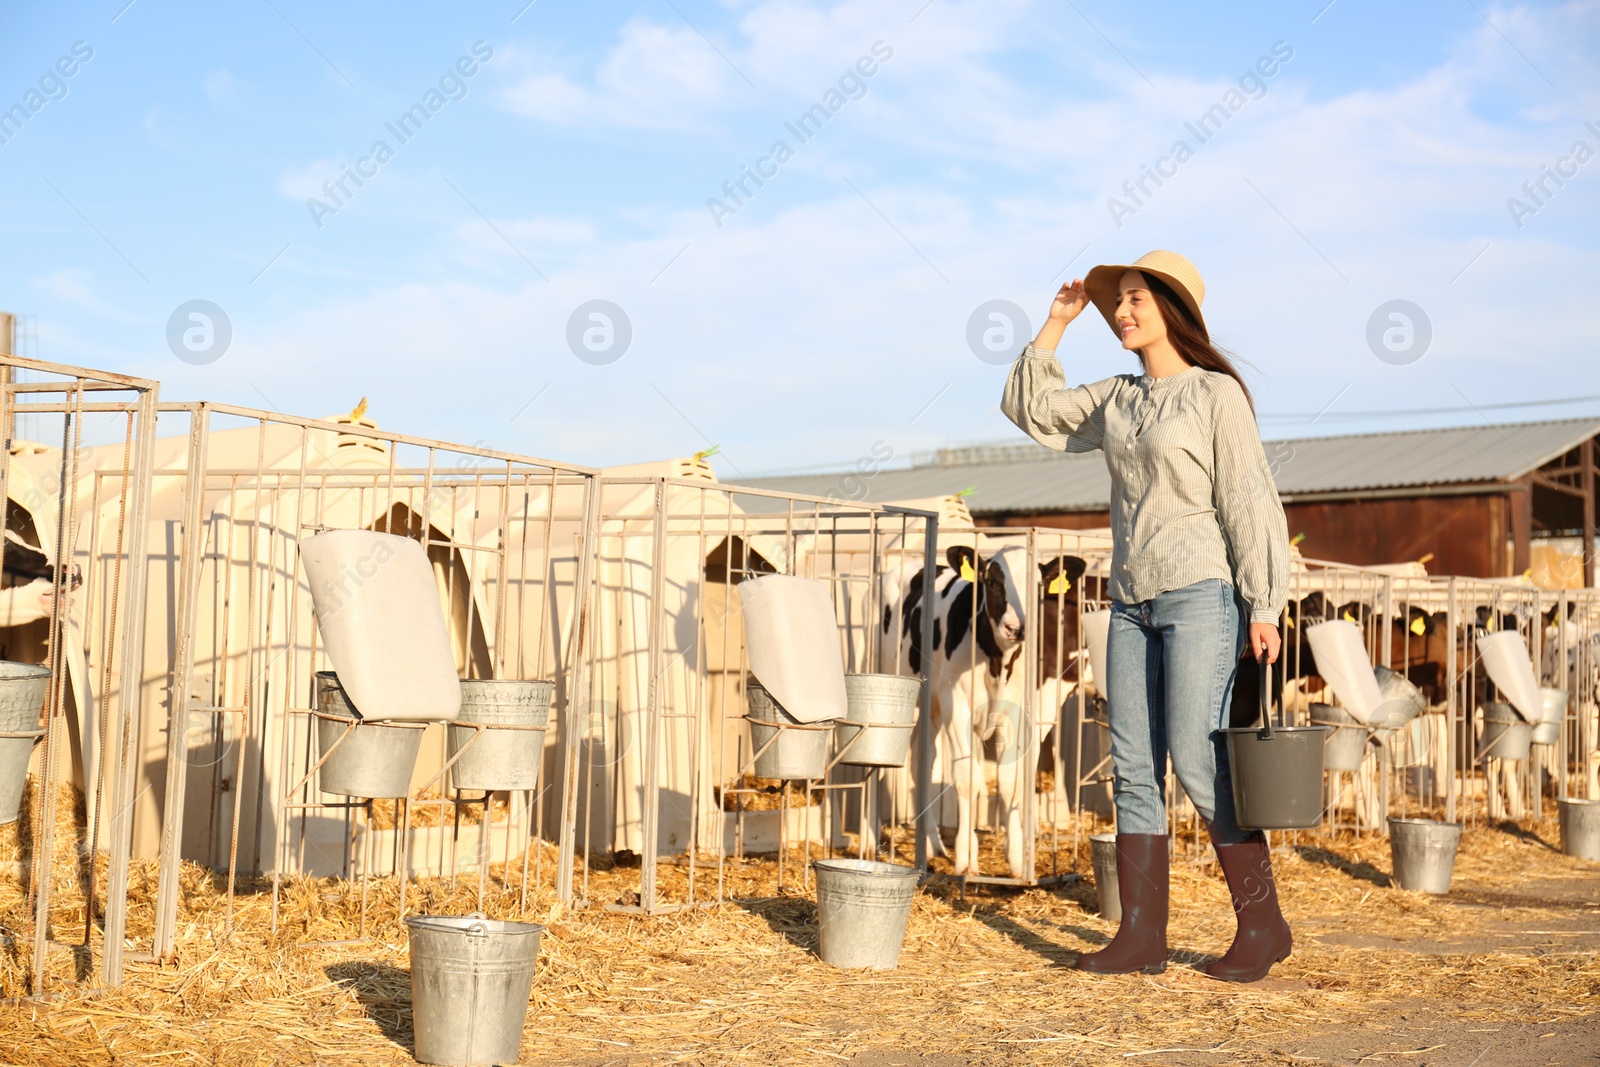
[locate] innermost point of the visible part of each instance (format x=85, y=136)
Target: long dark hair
x=1189, y=336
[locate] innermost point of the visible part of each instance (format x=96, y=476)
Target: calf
x=980, y=619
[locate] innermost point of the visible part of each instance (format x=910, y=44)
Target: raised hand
x=1070, y=299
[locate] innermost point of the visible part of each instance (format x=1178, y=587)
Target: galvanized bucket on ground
x=1548, y=730
x=377, y=758
x=1103, y=852
x=23, y=687
x=889, y=703
x=1402, y=700
x=1580, y=828
x=500, y=759
x=1423, y=853
x=1276, y=771
x=1346, y=743
x=863, y=907
x=1506, y=734
x=798, y=750
x=470, y=980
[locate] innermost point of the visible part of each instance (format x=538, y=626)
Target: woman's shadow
x=384, y=992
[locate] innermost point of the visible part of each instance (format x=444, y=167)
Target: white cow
x=980, y=619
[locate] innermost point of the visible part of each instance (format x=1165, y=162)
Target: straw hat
x=1104, y=281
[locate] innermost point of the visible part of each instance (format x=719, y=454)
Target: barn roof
x=1027, y=477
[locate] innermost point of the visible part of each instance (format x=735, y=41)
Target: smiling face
x=1139, y=321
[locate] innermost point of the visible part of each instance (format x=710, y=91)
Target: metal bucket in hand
x=863, y=908
x=500, y=759
x=470, y=980
x=23, y=687
x=1276, y=771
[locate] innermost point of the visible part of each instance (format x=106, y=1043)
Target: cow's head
x=999, y=608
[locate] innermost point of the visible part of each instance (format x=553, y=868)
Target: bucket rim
x=509, y=681
x=459, y=924
x=17, y=671
x=1579, y=802
x=1414, y=820
x=882, y=674
x=1314, y=727
x=1111, y=837
x=877, y=868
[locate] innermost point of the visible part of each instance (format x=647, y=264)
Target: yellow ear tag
x=1349, y=617
x=967, y=573
x=1290, y=620
x=1418, y=626
x=1059, y=584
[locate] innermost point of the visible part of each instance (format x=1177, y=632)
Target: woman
x=1200, y=566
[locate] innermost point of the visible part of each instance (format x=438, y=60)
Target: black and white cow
x=980, y=625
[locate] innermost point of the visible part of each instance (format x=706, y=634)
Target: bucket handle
x=478, y=929
x=1266, y=706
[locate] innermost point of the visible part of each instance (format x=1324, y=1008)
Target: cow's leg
x=1012, y=778
x=939, y=774
x=966, y=778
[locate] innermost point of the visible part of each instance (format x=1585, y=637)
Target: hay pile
x=981, y=980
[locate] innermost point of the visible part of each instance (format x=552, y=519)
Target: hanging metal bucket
x=1103, y=853
x=1548, y=730
x=1580, y=828
x=798, y=750
x=1402, y=701
x=470, y=980
x=1276, y=771
x=888, y=702
x=500, y=759
x=1346, y=743
x=376, y=760
x=1506, y=734
x=863, y=907
x=23, y=688
x=1423, y=853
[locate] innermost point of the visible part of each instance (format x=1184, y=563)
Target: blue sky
x=827, y=316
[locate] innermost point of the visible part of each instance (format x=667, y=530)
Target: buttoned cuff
x=1264, y=615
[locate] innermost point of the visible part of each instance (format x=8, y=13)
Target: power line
x=1306, y=415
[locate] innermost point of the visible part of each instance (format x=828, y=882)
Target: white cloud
x=655, y=77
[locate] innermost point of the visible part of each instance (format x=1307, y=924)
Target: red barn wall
x=1467, y=535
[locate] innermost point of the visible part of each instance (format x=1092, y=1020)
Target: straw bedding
x=981, y=980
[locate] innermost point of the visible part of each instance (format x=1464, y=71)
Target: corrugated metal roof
x=1029, y=477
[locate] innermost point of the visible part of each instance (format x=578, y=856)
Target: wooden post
x=1521, y=501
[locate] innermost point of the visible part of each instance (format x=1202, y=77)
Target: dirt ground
x=1503, y=971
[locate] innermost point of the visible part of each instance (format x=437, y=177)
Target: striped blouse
x=1192, y=497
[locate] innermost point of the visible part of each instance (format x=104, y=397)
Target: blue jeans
x=1171, y=661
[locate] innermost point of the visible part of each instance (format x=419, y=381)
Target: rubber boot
x=1263, y=938
x=1141, y=941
